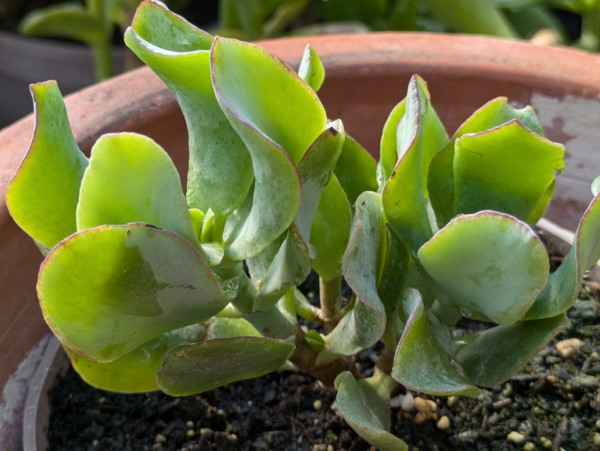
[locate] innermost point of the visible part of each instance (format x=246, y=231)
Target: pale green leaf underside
x=563, y=285
x=138, y=283
x=136, y=371
x=43, y=194
x=289, y=267
x=365, y=323
x=214, y=363
x=220, y=170
x=130, y=178
x=421, y=363
x=366, y=412
x=487, y=263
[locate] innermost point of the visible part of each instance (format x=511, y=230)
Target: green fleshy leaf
x=492, y=356
x=279, y=322
x=365, y=323
x=68, y=20
x=221, y=327
x=220, y=169
x=507, y=169
x=420, y=135
x=366, y=412
x=394, y=273
x=291, y=264
x=214, y=363
x=136, y=371
x=139, y=282
x=388, y=148
x=563, y=286
x=441, y=171
x=263, y=93
x=355, y=170
x=311, y=69
x=596, y=186
x=315, y=170
x=272, y=136
x=130, y=178
x=42, y=196
x=503, y=265
x=330, y=231
x=288, y=268
x=421, y=363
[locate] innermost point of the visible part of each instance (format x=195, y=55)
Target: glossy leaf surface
x=138, y=283
x=492, y=356
x=214, y=363
x=330, y=230
x=271, y=134
x=130, y=178
x=220, y=169
x=135, y=372
x=503, y=265
x=272, y=105
x=43, y=194
x=507, y=169
x=366, y=412
x=420, y=135
x=355, y=169
x=421, y=362
x=441, y=171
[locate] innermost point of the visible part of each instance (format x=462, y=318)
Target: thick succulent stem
x=331, y=302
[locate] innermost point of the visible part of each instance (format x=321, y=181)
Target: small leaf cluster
x=148, y=287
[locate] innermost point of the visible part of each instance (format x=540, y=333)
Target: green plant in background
x=148, y=288
x=518, y=19
x=93, y=24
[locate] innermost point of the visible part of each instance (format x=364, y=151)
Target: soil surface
x=552, y=403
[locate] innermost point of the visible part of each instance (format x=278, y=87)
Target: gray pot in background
x=25, y=60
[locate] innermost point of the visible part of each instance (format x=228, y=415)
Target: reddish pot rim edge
x=139, y=101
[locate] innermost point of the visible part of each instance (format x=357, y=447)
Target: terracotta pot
x=25, y=60
x=367, y=76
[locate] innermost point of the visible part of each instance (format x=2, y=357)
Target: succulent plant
x=150, y=288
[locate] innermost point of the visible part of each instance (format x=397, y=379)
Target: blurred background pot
x=366, y=76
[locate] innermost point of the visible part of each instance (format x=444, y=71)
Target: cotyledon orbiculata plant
x=150, y=288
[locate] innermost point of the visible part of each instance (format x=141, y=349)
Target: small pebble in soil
x=569, y=348
x=515, y=437
x=443, y=423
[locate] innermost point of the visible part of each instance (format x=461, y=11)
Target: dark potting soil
x=553, y=403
